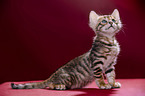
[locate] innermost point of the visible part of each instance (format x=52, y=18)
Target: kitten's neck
x=107, y=39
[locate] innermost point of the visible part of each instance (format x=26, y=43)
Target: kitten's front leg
x=98, y=74
x=101, y=84
x=110, y=75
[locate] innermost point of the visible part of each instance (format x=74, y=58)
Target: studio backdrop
x=39, y=36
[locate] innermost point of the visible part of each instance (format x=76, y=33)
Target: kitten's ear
x=116, y=14
x=93, y=19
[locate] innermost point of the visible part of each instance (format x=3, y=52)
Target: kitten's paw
x=14, y=86
x=57, y=86
x=105, y=86
x=60, y=87
x=116, y=85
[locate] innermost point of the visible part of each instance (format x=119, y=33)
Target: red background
x=39, y=36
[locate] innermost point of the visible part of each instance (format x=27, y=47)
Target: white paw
x=116, y=85
x=60, y=87
x=105, y=86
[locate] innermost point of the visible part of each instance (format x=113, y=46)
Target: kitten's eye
x=104, y=21
x=114, y=20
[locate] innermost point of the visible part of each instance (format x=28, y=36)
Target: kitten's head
x=105, y=24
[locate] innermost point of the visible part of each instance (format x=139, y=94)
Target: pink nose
x=110, y=22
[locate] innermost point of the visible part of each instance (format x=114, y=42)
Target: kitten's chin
x=109, y=30
x=108, y=33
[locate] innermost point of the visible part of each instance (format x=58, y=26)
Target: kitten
x=98, y=62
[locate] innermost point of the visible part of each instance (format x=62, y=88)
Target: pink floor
x=130, y=87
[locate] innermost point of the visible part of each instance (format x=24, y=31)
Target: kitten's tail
x=36, y=85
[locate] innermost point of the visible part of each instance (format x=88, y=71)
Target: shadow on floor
x=95, y=92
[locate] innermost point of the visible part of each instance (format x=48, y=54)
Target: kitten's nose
x=110, y=22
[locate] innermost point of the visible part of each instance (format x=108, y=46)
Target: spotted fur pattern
x=98, y=62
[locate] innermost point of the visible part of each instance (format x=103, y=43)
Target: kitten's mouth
x=110, y=27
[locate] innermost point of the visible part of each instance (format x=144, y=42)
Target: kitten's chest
x=105, y=52
x=112, y=55
x=115, y=50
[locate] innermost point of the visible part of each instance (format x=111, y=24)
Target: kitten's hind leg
x=110, y=75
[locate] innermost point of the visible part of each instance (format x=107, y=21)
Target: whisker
x=122, y=29
x=123, y=32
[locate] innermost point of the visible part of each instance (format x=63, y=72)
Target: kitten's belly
x=84, y=82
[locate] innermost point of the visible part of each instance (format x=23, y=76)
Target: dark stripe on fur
x=92, y=53
x=110, y=64
x=97, y=68
x=98, y=76
x=96, y=50
x=80, y=71
x=84, y=67
x=86, y=62
x=98, y=73
x=104, y=43
x=100, y=56
x=108, y=71
x=99, y=62
x=100, y=70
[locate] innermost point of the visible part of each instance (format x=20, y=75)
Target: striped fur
x=98, y=62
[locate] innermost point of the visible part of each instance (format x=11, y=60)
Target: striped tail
x=36, y=85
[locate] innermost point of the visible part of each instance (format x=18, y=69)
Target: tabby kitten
x=98, y=62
